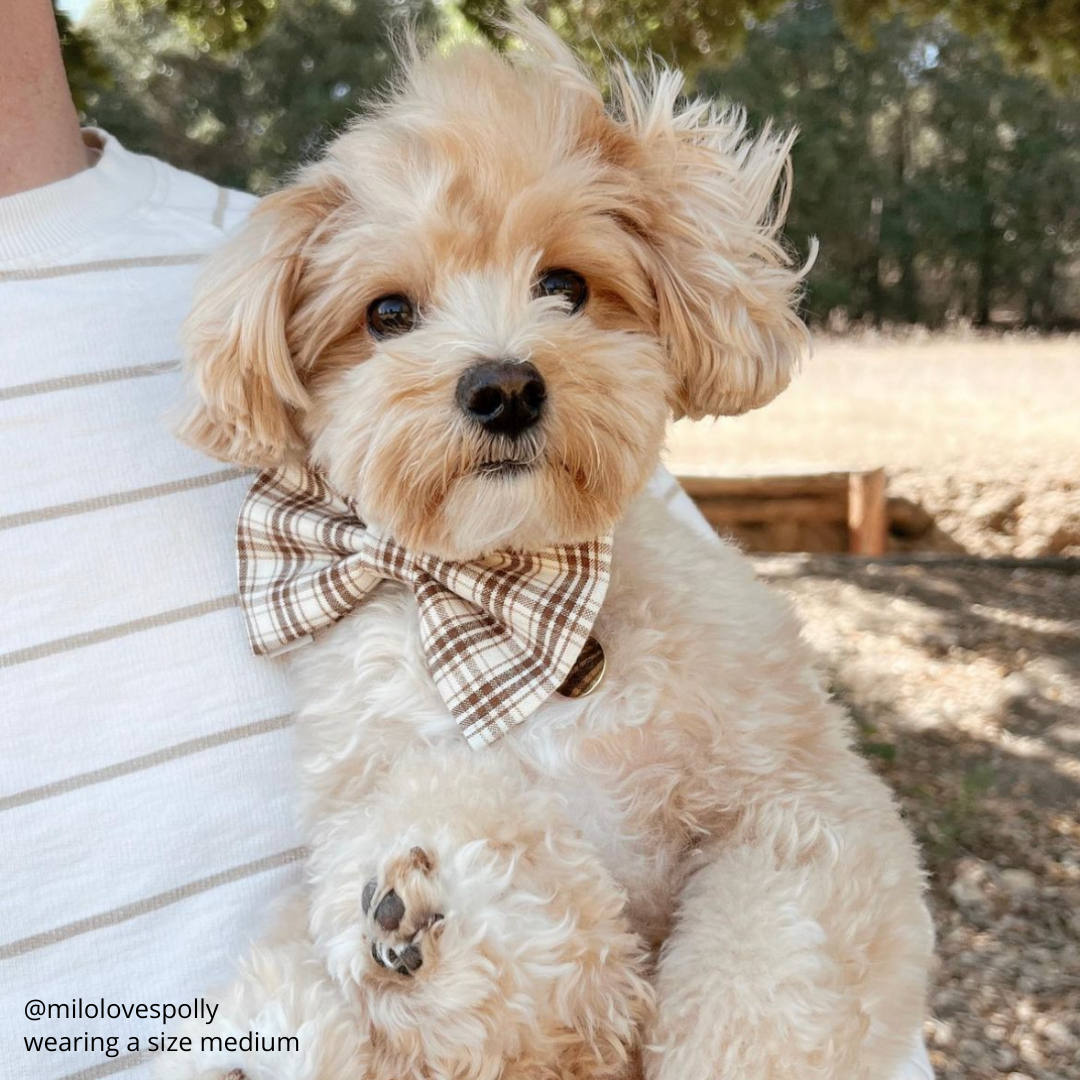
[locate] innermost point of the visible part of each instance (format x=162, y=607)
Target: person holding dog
x=145, y=810
x=145, y=817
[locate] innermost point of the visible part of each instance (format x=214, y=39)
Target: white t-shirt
x=145, y=811
x=145, y=763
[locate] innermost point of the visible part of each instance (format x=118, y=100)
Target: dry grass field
x=984, y=432
x=963, y=680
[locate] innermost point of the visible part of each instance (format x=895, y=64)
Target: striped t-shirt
x=145, y=811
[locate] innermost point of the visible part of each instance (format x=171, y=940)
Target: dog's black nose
x=504, y=397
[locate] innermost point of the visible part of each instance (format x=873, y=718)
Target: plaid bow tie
x=500, y=634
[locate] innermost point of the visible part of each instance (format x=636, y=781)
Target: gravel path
x=964, y=683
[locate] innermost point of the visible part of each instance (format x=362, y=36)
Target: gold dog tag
x=587, y=673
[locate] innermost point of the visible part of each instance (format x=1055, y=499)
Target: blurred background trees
x=939, y=161
x=244, y=102
x=940, y=183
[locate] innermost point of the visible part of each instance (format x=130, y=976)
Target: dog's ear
x=236, y=342
x=712, y=203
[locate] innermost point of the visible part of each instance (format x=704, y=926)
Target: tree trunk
x=873, y=262
x=985, y=284
x=909, y=284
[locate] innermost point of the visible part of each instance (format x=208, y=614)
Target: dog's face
x=476, y=314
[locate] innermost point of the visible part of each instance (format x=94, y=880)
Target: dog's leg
x=480, y=935
x=794, y=959
x=281, y=1019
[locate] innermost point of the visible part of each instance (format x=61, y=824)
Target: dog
x=473, y=317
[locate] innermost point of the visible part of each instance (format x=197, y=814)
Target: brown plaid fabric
x=500, y=634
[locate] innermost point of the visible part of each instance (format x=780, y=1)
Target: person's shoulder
x=170, y=200
x=183, y=197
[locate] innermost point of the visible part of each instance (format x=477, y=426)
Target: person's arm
x=39, y=127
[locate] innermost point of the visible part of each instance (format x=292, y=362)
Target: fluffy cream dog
x=689, y=874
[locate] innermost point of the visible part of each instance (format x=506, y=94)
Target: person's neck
x=40, y=141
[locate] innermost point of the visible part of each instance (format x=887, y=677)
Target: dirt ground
x=963, y=680
x=964, y=683
x=984, y=432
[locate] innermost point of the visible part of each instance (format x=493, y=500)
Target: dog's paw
x=402, y=916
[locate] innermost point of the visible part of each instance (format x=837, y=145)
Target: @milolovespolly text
x=78, y=1009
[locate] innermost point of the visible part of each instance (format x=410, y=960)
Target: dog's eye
x=564, y=283
x=391, y=315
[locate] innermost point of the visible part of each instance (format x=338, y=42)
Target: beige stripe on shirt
x=108, y=633
x=222, y=204
x=145, y=761
x=109, y=1068
x=150, y=903
x=120, y=498
x=89, y=378
x=101, y=266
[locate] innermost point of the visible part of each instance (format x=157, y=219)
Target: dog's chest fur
x=640, y=762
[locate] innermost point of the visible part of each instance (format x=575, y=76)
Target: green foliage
x=213, y=25
x=247, y=116
x=1040, y=36
x=938, y=183
x=1006, y=179
x=684, y=32
x=87, y=75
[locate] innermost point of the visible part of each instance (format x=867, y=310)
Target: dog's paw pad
x=235, y=1074
x=406, y=961
x=368, y=894
x=390, y=912
x=410, y=958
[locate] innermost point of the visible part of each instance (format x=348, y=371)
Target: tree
x=85, y=70
x=216, y=26
x=1008, y=168
x=245, y=116
x=937, y=181
x=850, y=105
x=1039, y=36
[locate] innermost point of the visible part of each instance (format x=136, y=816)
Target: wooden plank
x=867, y=516
x=784, y=535
x=745, y=511
x=767, y=487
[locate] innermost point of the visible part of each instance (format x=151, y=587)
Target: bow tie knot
x=500, y=633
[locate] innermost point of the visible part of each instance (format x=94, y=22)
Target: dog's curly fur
x=689, y=874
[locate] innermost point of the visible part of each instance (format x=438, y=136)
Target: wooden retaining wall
x=823, y=512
